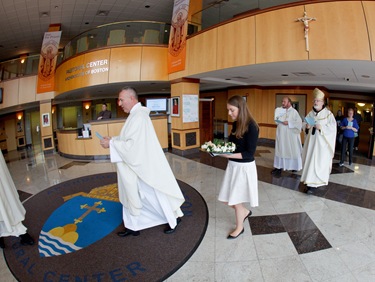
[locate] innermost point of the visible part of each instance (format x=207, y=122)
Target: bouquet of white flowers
x=218, y=146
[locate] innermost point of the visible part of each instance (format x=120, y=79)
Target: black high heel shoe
x=235, y=237
x=248, y=215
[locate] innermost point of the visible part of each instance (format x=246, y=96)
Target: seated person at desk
x=104, y=114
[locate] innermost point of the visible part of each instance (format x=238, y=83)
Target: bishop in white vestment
x=319, y=146
x=288, y=146
x=148, y=190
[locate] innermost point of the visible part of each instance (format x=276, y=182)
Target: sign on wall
x=190, y=108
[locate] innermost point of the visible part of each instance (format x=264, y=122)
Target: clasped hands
x=317, y=126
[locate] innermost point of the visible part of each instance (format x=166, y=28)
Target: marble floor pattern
x=291, y=236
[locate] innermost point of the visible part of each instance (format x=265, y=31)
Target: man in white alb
x=319, y=146
x=12, y=212
x=288, y=147
x=147, y=188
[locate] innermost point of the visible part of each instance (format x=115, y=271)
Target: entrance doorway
x=35, y=129
x=206, y=116
x=364, y=145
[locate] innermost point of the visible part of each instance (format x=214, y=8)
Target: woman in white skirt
x=240, y=184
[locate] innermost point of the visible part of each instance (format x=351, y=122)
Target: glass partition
x=121, y=33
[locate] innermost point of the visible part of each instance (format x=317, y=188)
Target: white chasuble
x=12, y=212
x=141, y=168
x=319, y=149
x=288, y=146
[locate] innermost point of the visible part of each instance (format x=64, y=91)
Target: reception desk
x=70, y=145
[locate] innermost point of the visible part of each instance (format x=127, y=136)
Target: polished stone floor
x=291, y=236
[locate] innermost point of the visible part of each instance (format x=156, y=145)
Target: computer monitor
x=157, y=105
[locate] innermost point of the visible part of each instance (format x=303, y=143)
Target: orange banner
x=177, y=37
x=47, y=62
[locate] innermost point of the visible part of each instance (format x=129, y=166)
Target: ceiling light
x=361, y=104
x=102, y=13
x=44, y=14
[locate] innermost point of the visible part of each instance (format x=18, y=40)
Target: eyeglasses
x=318, y=101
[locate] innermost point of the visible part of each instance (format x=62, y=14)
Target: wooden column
x=185, y=133
x=46, y=131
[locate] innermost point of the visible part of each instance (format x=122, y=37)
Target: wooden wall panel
x=92, y=145
x=65, y=72
x=153, y=65
x=279, y=37
x=369, y=9
x=96, y=67
x=236, y=44
x=161, y=129
x=27, y=89
x=202, y=52
x=339, y=31
x=220, y=103
x=125, y=64
x=69, y=145
x=114, y=129
x=10, y=93
x=10, y=129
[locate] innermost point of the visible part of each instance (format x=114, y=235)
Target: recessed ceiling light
x=284, y=74
x=365, y=76
x=147, y=6
x=44, y=14
x=102, y=13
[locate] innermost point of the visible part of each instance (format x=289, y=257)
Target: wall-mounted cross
x=305, y=20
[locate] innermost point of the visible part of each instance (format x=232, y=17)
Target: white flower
x=219, y=146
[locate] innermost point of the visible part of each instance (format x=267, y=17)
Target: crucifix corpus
x=305, y=20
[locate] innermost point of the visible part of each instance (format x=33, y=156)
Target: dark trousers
x=350, y=142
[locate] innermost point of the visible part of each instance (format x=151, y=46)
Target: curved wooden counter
x=71, y=146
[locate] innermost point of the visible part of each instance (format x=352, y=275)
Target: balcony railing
x=121, y=33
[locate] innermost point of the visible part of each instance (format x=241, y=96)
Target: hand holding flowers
x=218, y=146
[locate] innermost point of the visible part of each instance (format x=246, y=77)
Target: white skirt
x=240, y=184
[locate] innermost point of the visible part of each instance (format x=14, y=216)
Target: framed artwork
x=175, y=106
x=298, y=101
x=295, y=104
x=46, y=120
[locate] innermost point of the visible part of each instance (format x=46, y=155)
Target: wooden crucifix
x=305, y=20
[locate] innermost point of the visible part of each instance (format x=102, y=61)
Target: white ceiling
x=22, y=28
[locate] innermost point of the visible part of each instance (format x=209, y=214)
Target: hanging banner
x=177, y=37
x=47, y=62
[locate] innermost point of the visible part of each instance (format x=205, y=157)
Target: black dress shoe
x=128, y=232
x=309, y=190
x=26, y=239
x=276, y=171
x=2, y=244
x=235, y=237
x=169, y=230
